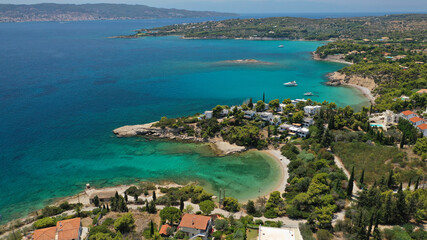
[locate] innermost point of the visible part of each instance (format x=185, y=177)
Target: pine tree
x=362, y=177
x=250, y=208
x=350, y=184
x=181, y=204
x=154, y=196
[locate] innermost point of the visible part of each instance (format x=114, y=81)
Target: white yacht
x=308, y=94
x=280, y=46
x=291, y=84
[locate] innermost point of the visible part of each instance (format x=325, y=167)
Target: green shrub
x=125, y=223
x=44, y=223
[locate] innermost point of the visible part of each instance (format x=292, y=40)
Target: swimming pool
x=376, y=125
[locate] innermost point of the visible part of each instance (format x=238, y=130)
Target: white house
x=312, y=110
x=294, y=102
x=266, y=116
x=208, y=114
x=303, y=132
x=307, y=122
x=249, y=114
x=195, y=225
x=407, y=114
x=281, y=107
x=224, y=112
x=284, y=127
x=275, y=120
x=423, y=129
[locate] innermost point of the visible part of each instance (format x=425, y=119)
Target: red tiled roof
x=422, y=126
x=416, y=119
x=194, y=221
x=407, y=113
x=163, y=229
x=45, y=234
x=68, y=229
x=422, y=91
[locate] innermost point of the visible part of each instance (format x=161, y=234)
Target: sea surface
x=65, y=86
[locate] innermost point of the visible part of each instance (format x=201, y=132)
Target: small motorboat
x=291, y=84
x=280, y=46
x=308, y=94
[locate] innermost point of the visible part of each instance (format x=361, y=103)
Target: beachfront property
x=294, y=102
x=312, y=110
x=196, y=225
x=208, y=114
x=70, y=229
x=271, y=233
x=103, y=196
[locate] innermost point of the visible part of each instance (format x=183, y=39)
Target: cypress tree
x=151, y=228
x=126, y=197
x=146, y=206
x=350, y=184
x=154, y=196
x=135, y=197
x=362, y=177
x=371, y=221
x=263, y=97
x=390, y=182
x=402, y=141
x=401, y=205
x=181, y=204
x=108, y=208
x=417, y=183
x=250, y=104
x=376, y=234
x=409, y=183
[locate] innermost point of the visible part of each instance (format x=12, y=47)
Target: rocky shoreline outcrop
x=148, y=130
x=364, y=84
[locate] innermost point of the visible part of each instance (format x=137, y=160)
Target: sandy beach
x=365, y=91
x=283, y=162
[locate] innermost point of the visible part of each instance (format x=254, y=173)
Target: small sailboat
x=291, y=84
x=280, y=46
x=308, y=94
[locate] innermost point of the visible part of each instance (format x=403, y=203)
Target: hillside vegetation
x=408, y=25
x=73, y=12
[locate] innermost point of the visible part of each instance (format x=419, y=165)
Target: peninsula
x=89, y=12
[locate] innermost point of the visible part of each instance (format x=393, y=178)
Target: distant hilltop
x=88, y=12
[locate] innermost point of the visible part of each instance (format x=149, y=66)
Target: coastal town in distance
x=126, y=121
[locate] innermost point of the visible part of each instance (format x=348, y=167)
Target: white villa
x=307, y=122
x=312, y=110
x=249, y=114
x=208, y=114
x=270, y=233
x=294, y=102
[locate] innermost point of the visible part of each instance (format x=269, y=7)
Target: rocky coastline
x=338, y=58
x=148, y=130
x=364, y=84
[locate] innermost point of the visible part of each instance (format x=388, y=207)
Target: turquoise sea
x=65, y=87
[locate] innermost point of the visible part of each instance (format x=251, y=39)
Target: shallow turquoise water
x=64, y=87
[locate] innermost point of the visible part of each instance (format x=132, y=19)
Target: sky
x=266, y=6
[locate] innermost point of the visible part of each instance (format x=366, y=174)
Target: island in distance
x=87, y=12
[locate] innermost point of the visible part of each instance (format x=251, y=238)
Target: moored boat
x=280, y=46
x=308, y=94
x=291, y=84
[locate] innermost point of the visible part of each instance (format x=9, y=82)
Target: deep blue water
x=65, y=87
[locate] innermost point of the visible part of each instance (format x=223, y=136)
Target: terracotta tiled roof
x=194, y=221
x=45, y=234
x=68, y=229
x=407, y=113
x=422, y=126
x=163, y=229
x=422, y=91
x=416, y=119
